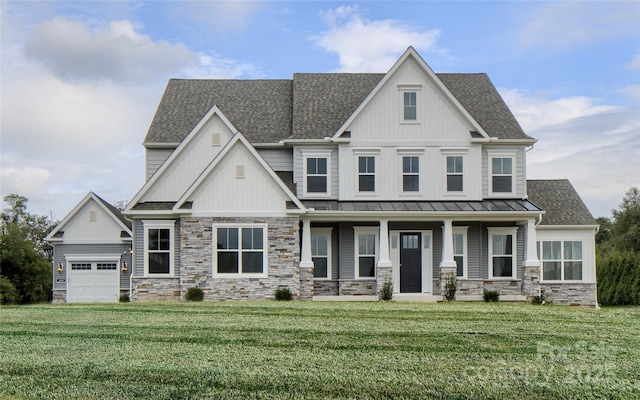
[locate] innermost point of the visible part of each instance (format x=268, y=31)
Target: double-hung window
x=240, y=250
x=366, y=252
x=316, y=172
x=501, y=175
x=561, y=260
x=502, y=252
x=410, y=174
x=454, y=174
x=460, y=249
x=366, y=174
x=410, y=101
x=158, y=255
x=321, y=252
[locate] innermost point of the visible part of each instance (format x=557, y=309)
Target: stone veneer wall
x=572, y=294
x=155, y=289
x=59, y=296
x=357, y=288
x=325, y=288
x=282, y=264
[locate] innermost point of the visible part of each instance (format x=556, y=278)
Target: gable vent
x=215, y=139
x=239, y=171
x=93, y=216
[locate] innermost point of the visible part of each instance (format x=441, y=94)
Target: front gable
x=183, y=166
x=91, y=221
x=439, y=117
x=238, y=182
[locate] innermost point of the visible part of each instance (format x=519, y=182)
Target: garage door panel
x=92, y=283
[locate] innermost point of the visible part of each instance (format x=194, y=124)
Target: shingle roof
x=477, y=94
x=260, y=109
x=561, y=202
x=310, y=106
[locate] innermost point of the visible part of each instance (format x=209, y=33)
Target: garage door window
x=107, y=267
x=80, y=267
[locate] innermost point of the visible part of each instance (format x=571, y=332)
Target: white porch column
x=305, y=252
x=532, y=255
x=383, y=260
x=447, y=245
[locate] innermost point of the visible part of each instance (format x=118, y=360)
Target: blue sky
x=80, y=81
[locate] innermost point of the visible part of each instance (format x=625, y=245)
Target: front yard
x=296, y=350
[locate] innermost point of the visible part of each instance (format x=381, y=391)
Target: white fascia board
x=171, y=145
x=245, y=214
x=238, y=137
x=165, y=165
x=508, y=142
x=151, y=213
x=568, y=227
x=325, y=140
x=410, y=52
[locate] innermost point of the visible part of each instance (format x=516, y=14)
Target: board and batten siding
x=91, y=224
x=138, y=268
x=154, y=159
x=278, y=159
x=90, y=250
x=298, y=170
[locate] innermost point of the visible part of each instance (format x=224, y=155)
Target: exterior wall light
x=124, y=267
x=60, y=268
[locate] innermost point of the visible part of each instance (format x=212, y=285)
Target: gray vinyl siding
x=346, y=250
x=298, y=170
x=520, y=172
x=138, y=251
x=155, y=158
x=335, y=248
x=60, y=250
x=475, y=250
x=278, y=159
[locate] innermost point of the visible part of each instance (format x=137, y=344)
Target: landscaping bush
x=541, y=299
x=124, y=298
x=194, y=294
x=8, y=293
x=450, y=286
x=386, y=292
x=491, y=295
x=618, y=274
x=284, y=294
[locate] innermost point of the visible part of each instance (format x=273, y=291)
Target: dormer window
x=317, y=179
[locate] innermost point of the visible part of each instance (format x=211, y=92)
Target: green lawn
x=295, y=350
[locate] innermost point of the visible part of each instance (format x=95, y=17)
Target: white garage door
x=92, y=282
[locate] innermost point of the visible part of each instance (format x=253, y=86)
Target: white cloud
x=219, y=16
x=75, y=53
x=596, y=147
x=560, y=25
x=634, y=63
x=632, y=92
x=369, y=46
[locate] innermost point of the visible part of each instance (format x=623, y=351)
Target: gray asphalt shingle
x=561, y=202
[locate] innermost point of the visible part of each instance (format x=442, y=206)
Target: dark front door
x=410, y=263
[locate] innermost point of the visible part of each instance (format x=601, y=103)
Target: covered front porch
x=486, y=245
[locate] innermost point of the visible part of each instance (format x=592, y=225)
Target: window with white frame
x=366, y=252
x=460, y=249
x=561, y=260
x=366, y=174
x=240, y=249
x=502, y=175
x=455, y=174
x=502, y=253
x=158, y=256
x=316, y=172
x=410, y=173
x=321, y=252
x=410, y=106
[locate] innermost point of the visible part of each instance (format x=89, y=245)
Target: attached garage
x=92, y=282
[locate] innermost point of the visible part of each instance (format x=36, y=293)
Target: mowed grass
x=297, y=350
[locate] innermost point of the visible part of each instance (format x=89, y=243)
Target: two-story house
x=331, y=184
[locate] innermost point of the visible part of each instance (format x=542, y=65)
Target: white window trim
x=453, y=153
x=159, y=224
x=240, y=274
x=402, y=175
x=562, y=261
x=514, y=246
x=491, y=154
x=357, y=231
x=462, y=230
x=326, y=232
x=402, y=89
x=316, y=154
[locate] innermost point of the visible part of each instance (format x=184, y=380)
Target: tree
x=25, y=267
x=625, y=232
